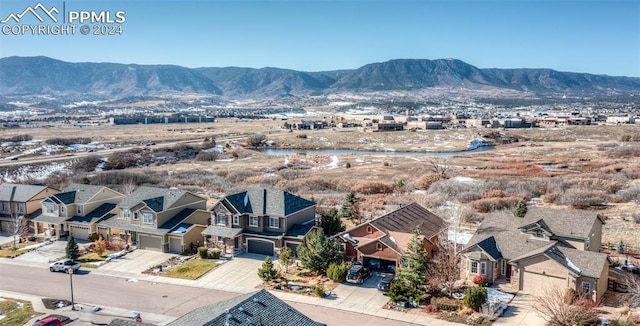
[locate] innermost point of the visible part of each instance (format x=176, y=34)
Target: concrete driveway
x=239, y=274
x=42, y=256
x=521, y=312
x=360, y=297
x=136, y=262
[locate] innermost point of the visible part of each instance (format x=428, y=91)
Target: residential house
x=261, y=221
x=76, y=211
x=167, y=220
x=256, y=308
x=548, y=248
x=381, y=243
x=21, y=201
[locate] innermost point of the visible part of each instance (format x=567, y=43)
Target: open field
x=587, y=167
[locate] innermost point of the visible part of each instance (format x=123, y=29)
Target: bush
x=88, y=163
x=475, y=297
x=582, y=199
x=347, y=165
x=207, y=156
x=479, y=279
x=372, y=187
x=430, y=308
x=487, y=205
x=203, y=252
x=337, y=272
x=446, y=304
x=636, y=217
x=303, y=136
x=215, y=253
x=632, y=194
x=426, y=180
x=318, y=290
x=466, y=311
x=267, y=272
x=94, y=237
x=520, y=210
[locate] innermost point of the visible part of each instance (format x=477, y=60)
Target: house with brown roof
x=382, y=242
x=161, y=219
x=76, y=211
x=261, y=221
x=548, y=248
x=21, y=201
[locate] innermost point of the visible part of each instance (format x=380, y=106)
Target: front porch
x=228, y=240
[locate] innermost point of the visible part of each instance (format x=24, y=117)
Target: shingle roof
x=127, y=322
x=490, y=246
x=150, y=195
x=506, y=228
x=96, y=214
x=18, y=192
x=407, y=218
x=176, y=219
x=50, y=219
x=578, y=262
x=257, y=308
x=124, y=224
x=83, y=192
x=67, y=197
x=271, y=202
x=300, y=230
x=222, y=231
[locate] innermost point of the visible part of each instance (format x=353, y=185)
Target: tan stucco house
x=76, y=210
x=160, y=219
x=548, y=248
x=382, y=242
x=19, y=201
x=261, y=221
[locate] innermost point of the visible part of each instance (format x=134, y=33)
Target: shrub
x=203, y=252
x=582, y=199
x=267, y=272
x=99, y=246
x=207, y=156
x=636, y=217
x=475, y=297
x=318, y=290
x=426, y=180
x=466, y=311
x=94, y=236
x=88, y=163
x=479, y=279
x=487, y=205
x=337, y=272
x=520, y=210
x=632, y=194
x=430, y=308
x=446, y=304
x=347, y=165
x=215, y=253
x=372, y=187
x=552, y=197
x=303, y=136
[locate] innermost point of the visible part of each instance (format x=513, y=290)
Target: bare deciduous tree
x=18, y=224
x=559, y=308
x=633, y=287
x=444, y=268
x=256, y=140
x=439, y=166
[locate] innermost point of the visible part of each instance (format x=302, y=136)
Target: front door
x=508, y=274
x=236, y=243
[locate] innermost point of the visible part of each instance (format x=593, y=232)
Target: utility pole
x=70, y=272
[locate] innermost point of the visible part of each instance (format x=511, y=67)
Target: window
x=369, y=229
x=5, y=207
x=135, y=215
x=21, y=208
x=147, y=218
x=379, y=246
x=503, y=268
x=586, y=287
x=126, y=213
x=236, y=220
x=221, y=219
x=483, y=268
x=79, y=210
x=274, y=222
x=539, y=235
x=50, y=208
x=253, y=221
x=61, y=209
x=474, y=267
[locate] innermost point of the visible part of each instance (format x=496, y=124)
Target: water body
x=285, y=152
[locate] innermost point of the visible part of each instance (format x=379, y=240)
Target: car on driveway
x=64, y=265
x=385, y=283
x=357, y=274
x=49, y=321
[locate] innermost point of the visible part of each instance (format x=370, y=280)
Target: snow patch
x=334, y=162
x=495, y=297
x=459, y=237
x=572, y=265
x=464, y=179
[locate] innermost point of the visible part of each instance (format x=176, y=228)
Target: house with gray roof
x=76, y=211
x=161, y=219
x=18, y=201
x=260, y=221
x=548, y=248
x=257, y=308
x=382, y=242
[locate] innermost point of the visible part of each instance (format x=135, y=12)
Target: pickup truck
x=64, y=265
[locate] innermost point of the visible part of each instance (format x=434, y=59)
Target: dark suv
x=357, y=274
x=385, y=283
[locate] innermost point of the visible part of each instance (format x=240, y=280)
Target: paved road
x=165, y=299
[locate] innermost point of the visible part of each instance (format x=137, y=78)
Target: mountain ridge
x=44, y=75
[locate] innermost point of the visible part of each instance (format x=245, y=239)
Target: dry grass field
x=583, y=167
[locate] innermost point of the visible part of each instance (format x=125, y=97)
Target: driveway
x=239, y=274
x=360, y=297
x=42, y=256
x=135, y=262
x=521, y=312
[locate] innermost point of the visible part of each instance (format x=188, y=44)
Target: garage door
x=175, y=245
x=79, y=232
x=149, y=242
x=6, y=226
x=260, y=247
x=531, y=283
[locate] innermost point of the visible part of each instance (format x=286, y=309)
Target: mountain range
x=43, y=75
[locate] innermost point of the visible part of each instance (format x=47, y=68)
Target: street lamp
x=70, y=272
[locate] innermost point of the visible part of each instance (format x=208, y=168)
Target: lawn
x=192, y=269
x=92, y=256
x=8, y=252
x=17, y=312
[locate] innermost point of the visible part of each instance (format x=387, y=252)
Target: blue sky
x=594, y=36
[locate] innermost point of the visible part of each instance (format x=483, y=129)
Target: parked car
x=64, y=265
x=357, y=274
x=385, y=283
x=49, y=321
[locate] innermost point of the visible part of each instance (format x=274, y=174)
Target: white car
x=64, y=265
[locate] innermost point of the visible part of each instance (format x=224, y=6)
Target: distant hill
x=43, y=75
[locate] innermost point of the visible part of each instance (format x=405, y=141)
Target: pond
x=285, y=152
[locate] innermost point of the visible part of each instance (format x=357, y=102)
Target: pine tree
x=331, y=223
x=72, y=250
x=348, y=208
x=317, y=252
x=414, y=263
x=267, y=272
x=286, y=258
x=520, y=210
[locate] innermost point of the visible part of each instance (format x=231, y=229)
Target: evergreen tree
x=267, y=272
x=331, y=222
x=521, y=209
x=317, y=252
x=349, y=208
x=286, y=258
x=72, y=250
x=414, y=263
